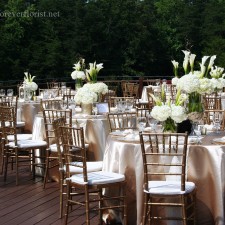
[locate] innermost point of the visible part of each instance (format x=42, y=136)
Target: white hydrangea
x=218, y=83
x=32, y=86
x=85, y=96
x=161, y=113
x=99, y=88
x=178, y=113
x=206, y=86
x=189, y=83
x=175, y=80
x=78, y=75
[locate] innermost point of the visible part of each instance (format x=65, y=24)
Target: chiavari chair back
x=122, y=121
x=49, y=116
x=164, y=160
x=91, y=166
x=89, y=183
x=18, y=146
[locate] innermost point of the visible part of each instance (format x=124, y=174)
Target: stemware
x=152, y=122
x=197, y=130
x=141, y=123
x=9, y=92
x=2, y=92
x=94, y=109
x=157, y=82
x=217, y=119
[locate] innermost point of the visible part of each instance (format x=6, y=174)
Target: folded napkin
x=191, y=140
x=209, y=127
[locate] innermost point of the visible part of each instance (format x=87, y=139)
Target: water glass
x=141, y=123
x=2, y=92
x=9, y=92
x=152, y=122
x=121, y=106
x=217, y=119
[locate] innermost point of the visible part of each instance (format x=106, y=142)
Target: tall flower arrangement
x=169, y=113
x=79, y=73
x=198, y=82
x=28, y=81
x=92, y=72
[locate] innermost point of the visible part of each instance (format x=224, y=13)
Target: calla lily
x=186, y=60
x=192, y=60
x=204, y=58
x=211, y=62
x=175, y=67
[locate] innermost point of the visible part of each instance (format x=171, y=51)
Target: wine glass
x=152, y=122
x=29, y=95
x=94, y=109
x=217, y=119
x=141, y=123
x=197, y=130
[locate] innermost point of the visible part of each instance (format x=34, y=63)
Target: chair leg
x=67, y=203
x=125, y=205
x=46, y=169
x=145, y=210
x=100, y=207
x=87, y=205
x=61, y=195
x=6, y=166
x=184, y=214
x=17, y=166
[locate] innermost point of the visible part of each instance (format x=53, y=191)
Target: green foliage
x=134, y=38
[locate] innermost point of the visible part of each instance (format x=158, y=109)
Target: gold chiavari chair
x=165, y=186
x=17, y=147
x=152, y=82
x=212, y=102
x=122, y=121
x=91, y=166
x=51, y=104
x=113, y=101
x=53, y=84
x=131, y=90
x=67, y=98
x=88, y=183
x=49, y=115
x=211, y=114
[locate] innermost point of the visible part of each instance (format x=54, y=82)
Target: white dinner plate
x=219, y=140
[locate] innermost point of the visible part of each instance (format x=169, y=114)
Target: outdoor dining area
x=150, y=155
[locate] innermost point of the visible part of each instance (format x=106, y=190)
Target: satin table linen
x=27, y=111
x=96, y=130
x=205, y=167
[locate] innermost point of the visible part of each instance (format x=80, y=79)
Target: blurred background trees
x=131, y=37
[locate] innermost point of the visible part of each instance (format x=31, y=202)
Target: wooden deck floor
x=28, y=203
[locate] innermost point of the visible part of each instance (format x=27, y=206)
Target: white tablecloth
x=206, y=167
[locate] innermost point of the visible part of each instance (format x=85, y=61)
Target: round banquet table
x=205, y=167
x=26, y=112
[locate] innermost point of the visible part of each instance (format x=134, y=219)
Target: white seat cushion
x=169, y=187
x=20, y=124
x=28, y=144
x=100, y=177
x=91, y=167
x=20, y=137
x=53, y=148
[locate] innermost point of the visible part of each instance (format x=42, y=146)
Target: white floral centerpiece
x=85, y=96
x=79, y=73
x=169, y=114
x=28, y=81
x=92, y=72
x=195, y=83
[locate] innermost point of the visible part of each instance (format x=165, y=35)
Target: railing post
x=140, y=86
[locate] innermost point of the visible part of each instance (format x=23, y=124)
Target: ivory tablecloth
x=205, y=167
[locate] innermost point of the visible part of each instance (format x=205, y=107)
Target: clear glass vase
x=169, y=126
x=78, y=84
